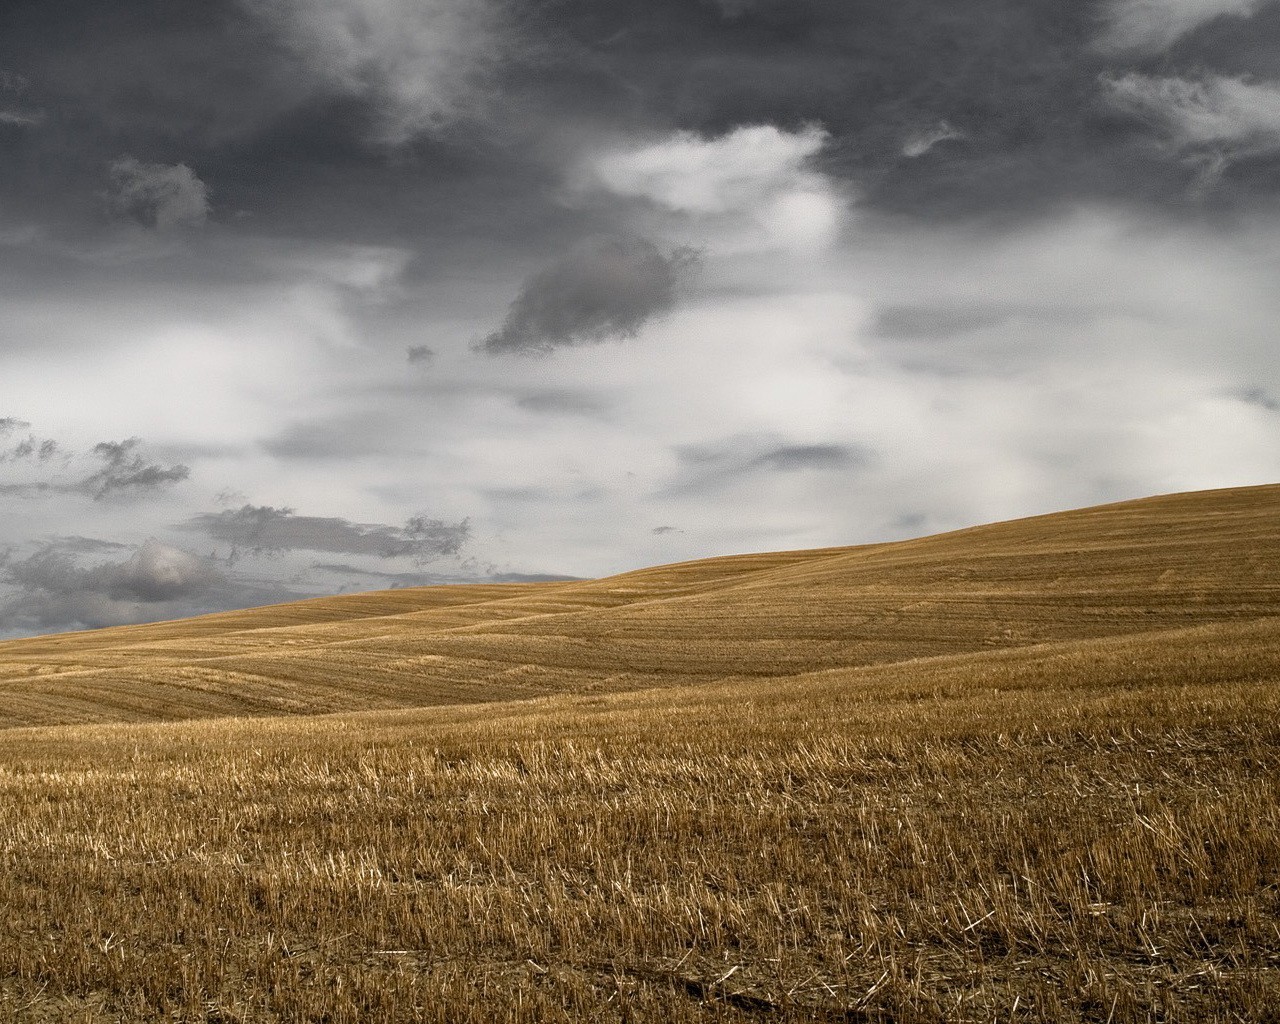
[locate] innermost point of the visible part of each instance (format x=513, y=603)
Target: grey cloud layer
x=262, y=528
x=156, y=581
x=932, y=109
x=420, y=64
x=730, y=460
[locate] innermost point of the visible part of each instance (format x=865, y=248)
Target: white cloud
x=422, y=62
x=1214, y=119
x=920, y=143
x=1152, y=25
x=758, y=173
x=159, y=195
x=21, y=118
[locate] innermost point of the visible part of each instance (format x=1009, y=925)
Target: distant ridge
x=1174, y=562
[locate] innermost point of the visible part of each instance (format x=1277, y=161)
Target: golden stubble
x=1081, y=828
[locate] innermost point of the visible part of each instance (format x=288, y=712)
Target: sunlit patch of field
x=1040, y=797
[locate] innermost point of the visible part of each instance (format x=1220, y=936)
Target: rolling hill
x=1021, y=772
x=1138, y=569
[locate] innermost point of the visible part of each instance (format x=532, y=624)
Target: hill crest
x=1171, y=562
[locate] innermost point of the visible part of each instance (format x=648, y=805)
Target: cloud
x=918, y=144
x=75, y=544
x=17, y=116
x=21, y=118
x=936, y=321
x=156, y=581
x=422, y=64
x=790, y=458
x=722, y=463
x=732, y=9
x=28, y=447
x=760, y=173
x=1217, y=111
x=1149, y=26
x=343, y=437
x=690, y=173
x=562, y=402
x=125, y=471
x=1210, y=122
x=31, y=447
x=420, y=353
x=604, y=287
x=158, y=195
x=1259, y=397
x=264, y=529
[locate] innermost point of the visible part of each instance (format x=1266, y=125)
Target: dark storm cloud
x=604, y=288
x=126, y=472
x=1015, y=79
x=990, y=107
x=993, y=106
x=339, y=120
x=263, y=529
x=162, y=80
x=56, y=592
x=420, y=354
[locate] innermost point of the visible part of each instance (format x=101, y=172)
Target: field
x=1022, y=772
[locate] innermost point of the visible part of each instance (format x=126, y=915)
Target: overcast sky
x=305, y=296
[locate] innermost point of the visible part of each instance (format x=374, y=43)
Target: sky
x=302, y=297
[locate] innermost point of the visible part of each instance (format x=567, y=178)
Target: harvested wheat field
x=1022, y=772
